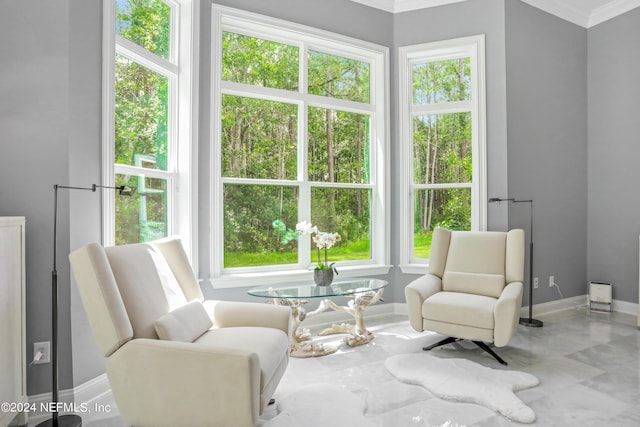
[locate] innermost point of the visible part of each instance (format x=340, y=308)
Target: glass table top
x=311, y=290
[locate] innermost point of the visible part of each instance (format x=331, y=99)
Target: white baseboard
x=83, y=396
x=626, y=307
x=578, y=301
x=554, y=306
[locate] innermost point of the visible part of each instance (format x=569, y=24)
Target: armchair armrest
x=164, y=383
x=507, y=313
x=228, y=313
x=416, y=293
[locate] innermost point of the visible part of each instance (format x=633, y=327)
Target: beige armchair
x=473, y=290
x=171, y=358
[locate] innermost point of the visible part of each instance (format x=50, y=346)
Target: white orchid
x=322, y=240
x=306, y=227
x=326, y=240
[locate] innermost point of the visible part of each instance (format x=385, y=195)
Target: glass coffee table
x=360, y=292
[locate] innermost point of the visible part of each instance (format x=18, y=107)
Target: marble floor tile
x=588, y=365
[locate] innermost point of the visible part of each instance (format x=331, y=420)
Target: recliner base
x=480, y=344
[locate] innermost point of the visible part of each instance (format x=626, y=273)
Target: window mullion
x=138, y=54
x=304, y=198
x=443, y=108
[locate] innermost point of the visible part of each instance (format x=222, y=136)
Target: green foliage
x=141, y=120
x=145, y=23
x=338, y=77
x=259, y=138
x=259, y=62
x=249, y=225
x=442, y=146
x=285, y=234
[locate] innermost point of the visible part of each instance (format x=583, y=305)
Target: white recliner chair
x=171, y=358
x=473, y=290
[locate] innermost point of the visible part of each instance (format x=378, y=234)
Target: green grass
x=422, y=245
x=352, y=251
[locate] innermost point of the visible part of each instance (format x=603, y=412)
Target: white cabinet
x=13, y=384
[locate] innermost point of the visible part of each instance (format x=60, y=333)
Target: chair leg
x=491, y=352
x=445, y=341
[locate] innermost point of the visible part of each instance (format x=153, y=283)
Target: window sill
x=414, y=268
x=255, y=279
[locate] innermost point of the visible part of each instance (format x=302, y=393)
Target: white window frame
x=182, y=70
x=472, y=47
x=229, y=19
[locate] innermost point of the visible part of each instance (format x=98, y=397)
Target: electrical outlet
x=552, y=281
x=535, y=283
x=45, y=349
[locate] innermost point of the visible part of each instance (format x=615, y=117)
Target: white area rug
x=466, y=381
x=320, y=405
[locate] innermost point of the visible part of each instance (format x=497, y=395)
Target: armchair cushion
x=184, y=324
x=461, y=309
x=269, y=344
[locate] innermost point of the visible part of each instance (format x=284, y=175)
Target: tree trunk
x=330, y=159
x=433, y=175
x=236, y=145
x=359, y=160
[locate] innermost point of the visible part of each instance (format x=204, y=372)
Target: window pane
x=141, y=217
x=338, y=146
x=259, y=225
x=442, y=148
x=450, y=208
x=145, y=23
x=443, y=81
x=347, y=212
x=338, y=77
x=259, y=138
x=259, y=62
x=141, y=115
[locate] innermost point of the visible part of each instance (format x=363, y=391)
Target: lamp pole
x=69, y=420
x=526, y=321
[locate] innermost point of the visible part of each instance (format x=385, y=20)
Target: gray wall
x=85, y=154
x=50, y=125
x=547, y=143
x=34, y=138
x=614, y=150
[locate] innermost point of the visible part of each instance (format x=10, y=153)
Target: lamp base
x=532, y=323
x=63, y=421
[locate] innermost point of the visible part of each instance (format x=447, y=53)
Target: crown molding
x=562, y=10
x=397, y=6
x=386, y=5
x=407, y=5
x=611, y=10
x=580, y=16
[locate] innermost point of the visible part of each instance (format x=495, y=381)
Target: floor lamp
x=526, y=321
x=70, y=420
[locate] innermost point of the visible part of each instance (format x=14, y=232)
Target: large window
x=299, y=134
x=147, y=140
x=443, y=143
